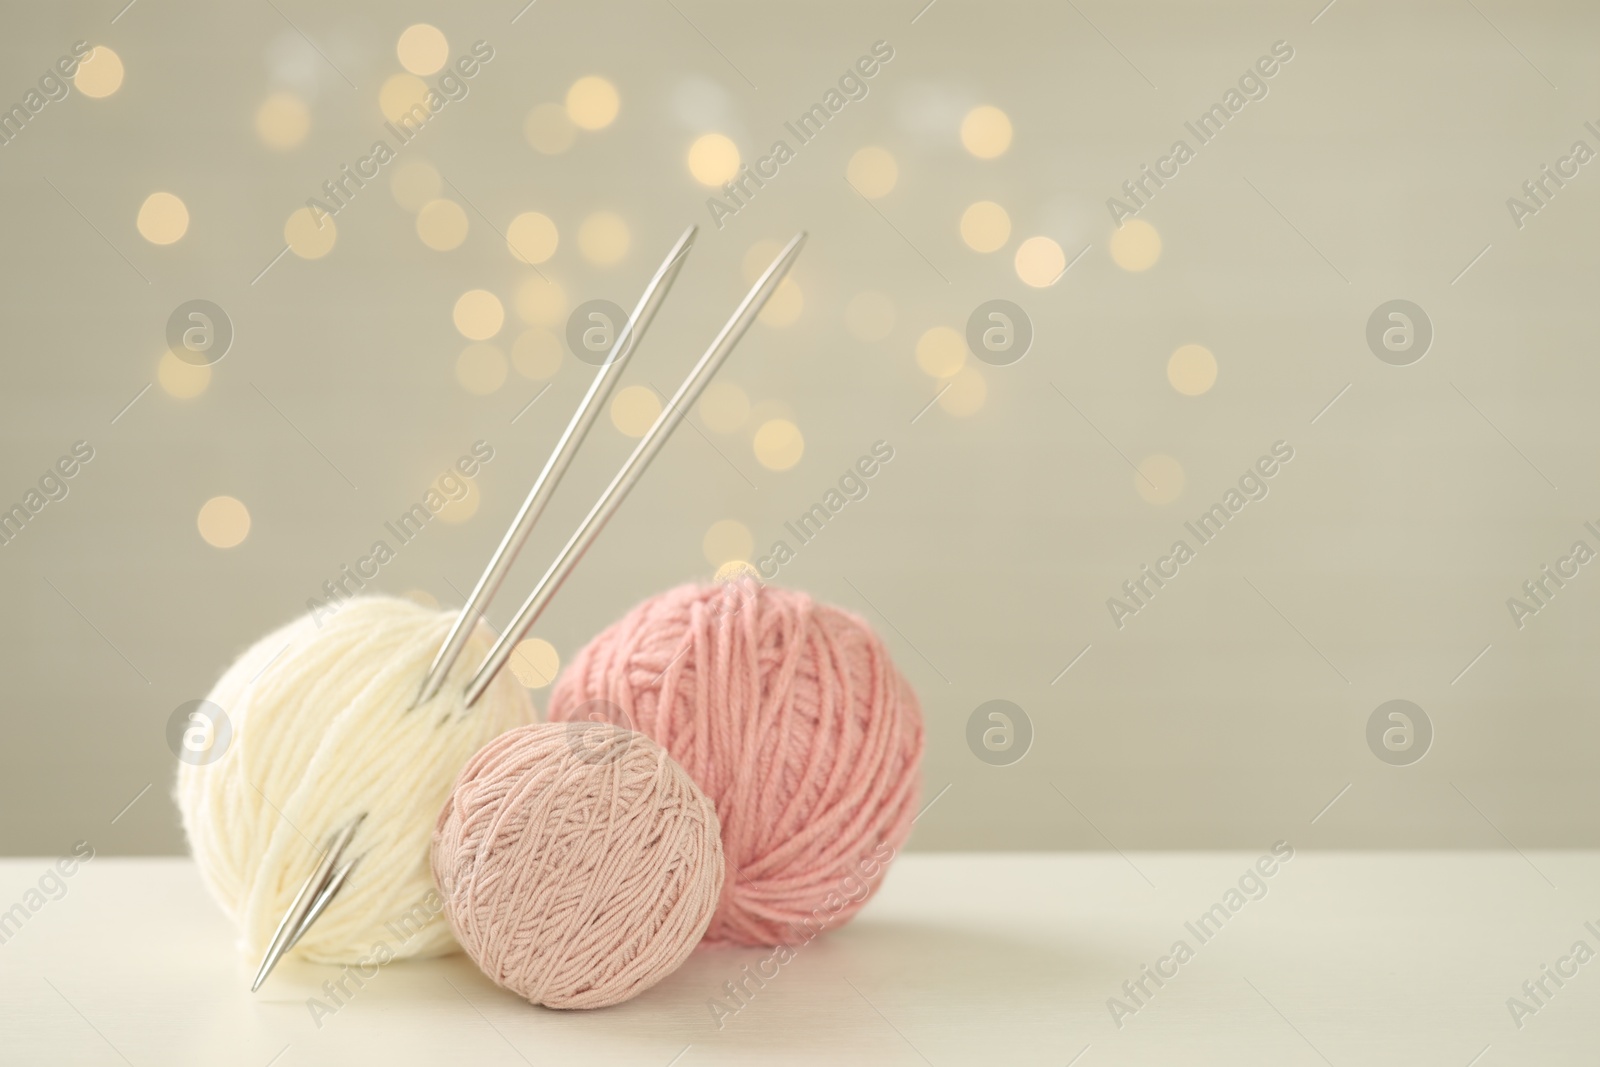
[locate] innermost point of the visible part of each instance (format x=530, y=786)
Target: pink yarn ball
x=791, y=717
x=579, y=864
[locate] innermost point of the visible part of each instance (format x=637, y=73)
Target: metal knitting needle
x=310, y=901
x=324, y=898
x=628, y=476
x=318, y=891
x=555, y=467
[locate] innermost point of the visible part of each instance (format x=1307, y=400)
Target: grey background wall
x=1229, y=711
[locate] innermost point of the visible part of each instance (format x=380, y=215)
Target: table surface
x=1346, y=958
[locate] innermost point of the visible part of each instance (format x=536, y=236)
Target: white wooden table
x=1349, y=958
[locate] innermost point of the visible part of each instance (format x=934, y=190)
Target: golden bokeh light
x=310, y=236
x=1039, y=262
x=99, y=73
x=457, y=511
x=422, y=49
x=966, y=392
x=223, y=521
x=400, y=95
x=986, y=132
x=549, y=129
x=181, y=379
x=778, y=444
x=785, y=306
x=941, y=351
x=634, y=409
x=532, y=237
x=713, y=159
x=534, y=662
x=478, y=314
x=442, y=225
x=282, y=121
x=1159, y=479
x=1135, y=245
x=592, y=103
x=724, y=407
x=415, y=184
x=603, y=238
x=985, y=226
x=163, y=219
x=541, y=302
x=869, y=316
x=758, y=257
x=481, y=369
x=873, y=171
x=727, y=540
x=1192, y=370
x=537, y=354
x=736, y=570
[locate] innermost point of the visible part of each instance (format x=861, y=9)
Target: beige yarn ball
x=322, y=735
x=579, y=863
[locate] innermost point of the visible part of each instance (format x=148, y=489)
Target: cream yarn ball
x=322, y=735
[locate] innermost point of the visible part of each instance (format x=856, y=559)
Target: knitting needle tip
x=314, y=896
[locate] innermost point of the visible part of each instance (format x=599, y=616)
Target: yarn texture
x=320, y=736
x=791, y=717
x=579, y=863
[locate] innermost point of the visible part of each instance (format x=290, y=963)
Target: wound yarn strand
x=791, y=717
x=579, y=863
